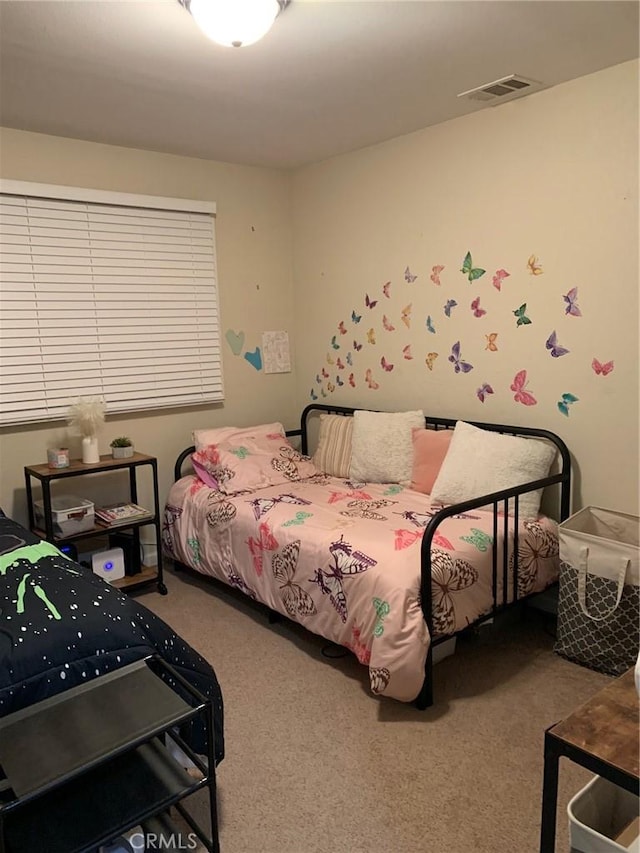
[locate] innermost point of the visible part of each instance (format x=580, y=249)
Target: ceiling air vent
x=505, y=89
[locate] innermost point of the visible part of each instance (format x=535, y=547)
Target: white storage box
x=69, y=513
x=598, y=814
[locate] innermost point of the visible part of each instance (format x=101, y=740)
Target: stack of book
x=115, y=515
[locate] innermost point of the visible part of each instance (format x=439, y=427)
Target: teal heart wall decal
x=254, y=358
x=235, y=341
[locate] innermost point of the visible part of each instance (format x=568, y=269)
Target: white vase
x=90, y=451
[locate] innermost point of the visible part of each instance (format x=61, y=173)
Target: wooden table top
x=607, y=726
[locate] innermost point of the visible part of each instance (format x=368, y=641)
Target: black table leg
x=549, y=795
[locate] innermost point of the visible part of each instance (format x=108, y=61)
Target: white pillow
x=479, y=462
x=382, y=446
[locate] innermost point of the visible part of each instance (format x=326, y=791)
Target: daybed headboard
x=563, y=477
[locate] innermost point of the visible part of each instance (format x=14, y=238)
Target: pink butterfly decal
x=600, y=368
x=554, y=347
x=475, y=307
x=324, y=373
x=339, y=364
x=572, y=305
x=456, y=359
x=386, y=287
x=499, y=277
x=483, y=391
x=352, y=381
x=266, y=542
x=371, y=382
x=519, y=386
x=370, y=303
x=387, y=325
x=342, y=328
x=409, y=277
x=435, y=273
x=405, y=538
x=406, y=352
x=357, y=347
x=385, y=365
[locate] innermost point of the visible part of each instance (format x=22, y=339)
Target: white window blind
x=111, y=296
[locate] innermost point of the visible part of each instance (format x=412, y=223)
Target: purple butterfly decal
x=451, y=303
x=553, y=345
x=409, y=277
x=458, y=364
x=482, y=392
x=572, y=306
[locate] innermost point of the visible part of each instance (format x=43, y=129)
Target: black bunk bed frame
x=562, y=478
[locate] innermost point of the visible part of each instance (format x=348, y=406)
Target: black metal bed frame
x=563, y=479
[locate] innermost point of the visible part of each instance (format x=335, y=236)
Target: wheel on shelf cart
x=162, y=589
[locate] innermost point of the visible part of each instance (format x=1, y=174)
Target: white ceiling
x=329, y=78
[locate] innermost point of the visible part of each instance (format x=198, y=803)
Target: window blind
x=115, y=300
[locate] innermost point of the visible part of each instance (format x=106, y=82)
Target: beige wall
x=253, y=229
x=553, y=175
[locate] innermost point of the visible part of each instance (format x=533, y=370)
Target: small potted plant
x=122, y=447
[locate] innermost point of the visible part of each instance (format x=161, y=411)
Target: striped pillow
x=333, y=455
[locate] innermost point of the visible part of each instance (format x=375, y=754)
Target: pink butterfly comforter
x=343, y=560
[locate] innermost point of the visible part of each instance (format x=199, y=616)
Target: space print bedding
x=343, y=560
x=61, y=626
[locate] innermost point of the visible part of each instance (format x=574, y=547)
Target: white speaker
x=108, y=564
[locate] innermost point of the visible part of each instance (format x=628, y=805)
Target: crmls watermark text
x=172, y=841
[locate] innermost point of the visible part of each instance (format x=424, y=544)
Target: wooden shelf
x=148, y=573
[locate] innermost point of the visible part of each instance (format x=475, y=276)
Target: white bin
x=597, y=814
x=69, y=513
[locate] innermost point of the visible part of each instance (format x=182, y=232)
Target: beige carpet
x=316, y=764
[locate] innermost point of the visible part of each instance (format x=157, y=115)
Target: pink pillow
x=430, y=447
x=246, y=461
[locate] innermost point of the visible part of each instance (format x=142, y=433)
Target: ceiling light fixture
x=234, y=23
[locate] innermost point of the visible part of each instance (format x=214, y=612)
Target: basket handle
x=583, y=571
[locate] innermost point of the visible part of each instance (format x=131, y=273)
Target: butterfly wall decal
x=406, y=352
x=324, y=373
x=409, y=277
x=491, y=342
x=387, y=324
x=483, y=391
x=371, y=336
x=266, y=541
x=349, y=359
x=469, y=270
x=296, y=600
x=370, y=303
x=478, y=539
x=342, y=328
x=371, y=383
x=572, y=307
x=323, y=392
x=533, y=266
x=499, y=277
x=334, y=342
x=451, y=303
x=386, y=289
x=318, y=378
x=313, y=395
x=352, y=380
x=435, y=273
x=385, y=365
x=521, y=314
x=455, y=358
x=357, y=347
x=554, y=347
x=600, y=368
x=331, y=387
x=566, y=401
x=475, y=307
x=430, y=359
x=355, y=318
x=430, y=326
x=330, y=359
x=339, y=381
x=405, y=315
x=521, y=394
x=339, y=364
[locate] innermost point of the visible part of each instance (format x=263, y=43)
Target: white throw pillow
x=382, y=446
x=479, y=462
